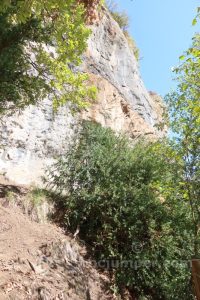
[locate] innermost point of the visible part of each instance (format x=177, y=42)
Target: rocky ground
x=38, y=261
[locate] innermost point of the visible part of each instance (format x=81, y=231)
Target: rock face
x=110, y=56
x=30, y=140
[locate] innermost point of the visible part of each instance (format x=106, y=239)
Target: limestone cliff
x=29, y=140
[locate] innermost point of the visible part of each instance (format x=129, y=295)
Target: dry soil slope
x=37, y=261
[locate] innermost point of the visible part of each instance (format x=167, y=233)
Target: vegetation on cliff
x=122, y=18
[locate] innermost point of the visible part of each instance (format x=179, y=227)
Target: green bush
x=109, y=191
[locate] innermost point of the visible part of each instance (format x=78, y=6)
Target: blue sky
x=162, y=30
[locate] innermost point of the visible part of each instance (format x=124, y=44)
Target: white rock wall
x=110, y=56
x=31, y=139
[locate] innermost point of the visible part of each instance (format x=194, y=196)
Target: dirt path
x=37, y=261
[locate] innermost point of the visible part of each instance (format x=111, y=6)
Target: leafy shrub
x=37, y=196
x=109, y=191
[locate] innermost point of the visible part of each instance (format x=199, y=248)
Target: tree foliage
x=40, y=47
x=112, y=192
x=184, y=107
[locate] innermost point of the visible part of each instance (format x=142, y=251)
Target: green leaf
x=182, y=57
x=194, y=22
